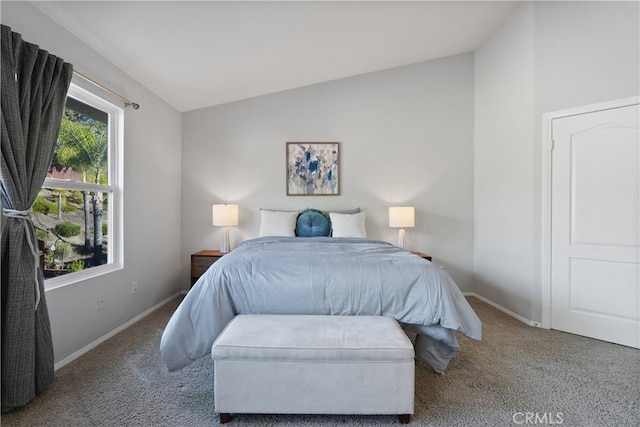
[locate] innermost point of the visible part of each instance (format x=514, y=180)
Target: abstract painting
x=313, y=169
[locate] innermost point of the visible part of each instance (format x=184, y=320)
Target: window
x=78, y=213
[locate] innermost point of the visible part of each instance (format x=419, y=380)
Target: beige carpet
x=516, y=369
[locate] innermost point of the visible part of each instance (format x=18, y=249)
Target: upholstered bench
x=293, y=364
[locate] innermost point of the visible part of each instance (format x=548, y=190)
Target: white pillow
x=348, y=225
x=277, y=223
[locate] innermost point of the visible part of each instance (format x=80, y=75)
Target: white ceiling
x=202, y=53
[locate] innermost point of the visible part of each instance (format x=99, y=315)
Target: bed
x=322, y=276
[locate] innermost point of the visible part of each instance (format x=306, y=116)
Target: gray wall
x=585, y=53
x=152, y=209
x=406, y=137
x=547, y=56
x=503, y=206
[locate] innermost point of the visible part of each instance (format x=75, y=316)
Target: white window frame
x=115, y=231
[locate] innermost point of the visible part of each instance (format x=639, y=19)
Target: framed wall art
x=313, y=169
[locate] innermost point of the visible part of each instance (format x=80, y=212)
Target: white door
x=595, y=232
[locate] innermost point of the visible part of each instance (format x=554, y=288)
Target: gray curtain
x=34, y=89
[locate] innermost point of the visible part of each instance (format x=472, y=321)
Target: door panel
x=595, y=268
x=602, y=160
x=604, y=288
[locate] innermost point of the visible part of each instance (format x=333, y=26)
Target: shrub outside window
x=78, y=212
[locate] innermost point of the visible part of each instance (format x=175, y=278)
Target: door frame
x=547, y=149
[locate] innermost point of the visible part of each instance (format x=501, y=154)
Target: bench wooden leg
x=225, y=417
x=404, y=418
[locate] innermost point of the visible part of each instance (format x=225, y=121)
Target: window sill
x=71, y=278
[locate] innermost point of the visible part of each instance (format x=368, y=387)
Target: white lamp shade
x=402, y=216
x=225, y=215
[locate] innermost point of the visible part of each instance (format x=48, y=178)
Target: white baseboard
x=504, y=310
x=142, y=315
x=103, y=338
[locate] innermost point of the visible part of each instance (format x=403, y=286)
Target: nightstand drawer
x=201, y=261
x=197, y=271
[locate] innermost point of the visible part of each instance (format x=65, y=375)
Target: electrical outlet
x=100, y=302
x=134, y=288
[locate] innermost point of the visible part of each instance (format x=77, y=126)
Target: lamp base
x=402, y=240
x=224, y=248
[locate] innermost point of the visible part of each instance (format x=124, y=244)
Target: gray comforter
x=322, y=275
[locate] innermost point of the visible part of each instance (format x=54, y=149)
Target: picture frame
x=313, y=168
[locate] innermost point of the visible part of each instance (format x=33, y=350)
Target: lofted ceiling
x=195, y=54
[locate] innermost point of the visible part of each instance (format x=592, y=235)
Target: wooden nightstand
x=202, y=260
x=422, y=255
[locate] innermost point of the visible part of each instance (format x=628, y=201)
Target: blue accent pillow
x=312, y=223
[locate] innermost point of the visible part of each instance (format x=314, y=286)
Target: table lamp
x=402, y=216
x=225, y=216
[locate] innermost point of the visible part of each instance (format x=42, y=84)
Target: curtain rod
x=127, y=102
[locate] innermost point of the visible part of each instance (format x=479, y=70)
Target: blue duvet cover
x=322, y=275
